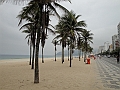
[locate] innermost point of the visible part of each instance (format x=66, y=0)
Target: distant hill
x=66, y=52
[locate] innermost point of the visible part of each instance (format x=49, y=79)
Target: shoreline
x=17, y=57
x=27, y=60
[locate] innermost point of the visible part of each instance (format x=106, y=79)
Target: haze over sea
x=4, y=57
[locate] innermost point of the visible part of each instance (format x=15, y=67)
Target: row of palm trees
x=69, y=30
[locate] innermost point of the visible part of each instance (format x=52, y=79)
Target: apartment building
x=111, y=47
x=118, y=27
x=101, y=49
x=115, y=41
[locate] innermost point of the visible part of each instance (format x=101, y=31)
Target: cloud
x=101, y=17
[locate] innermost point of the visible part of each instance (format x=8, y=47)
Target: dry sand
x=17, y=75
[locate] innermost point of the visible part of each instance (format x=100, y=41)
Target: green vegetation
x=113, y=53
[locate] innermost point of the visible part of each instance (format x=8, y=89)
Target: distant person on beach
x=117, y=58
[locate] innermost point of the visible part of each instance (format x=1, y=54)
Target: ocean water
x=4, y=57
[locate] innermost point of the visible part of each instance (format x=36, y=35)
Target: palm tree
x=87, y=37
x=44, y=9
x=68, y=43
x=90, y=49
x=29, y=29
x=62, y=36
x=29, y=36
x=43, y=37
x=29, y=14
x=79, y=46
x=55, y=42
x=83, y=51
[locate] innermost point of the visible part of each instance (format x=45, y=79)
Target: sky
x=101, y=17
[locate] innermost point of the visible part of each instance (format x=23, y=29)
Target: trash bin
x=88, y=60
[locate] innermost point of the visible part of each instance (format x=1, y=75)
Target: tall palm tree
x=44, y=8
x=55, y=42
x=29, y=14
x=79, y=46
x=43, y=37
x=87, y=37
x=62, y=36
x=68, y=45
x=29, y=36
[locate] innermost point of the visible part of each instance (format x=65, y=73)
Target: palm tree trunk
x=62, y=55
x=82, y=54
x=85, y=50
x=34, y=36
x=68, y=52
x=70, y=56
x=55, y=53
x=85, y=57
x=42, y=56
x=79, y=54
x=30, y=52
x=33, y=57
x=36, y=75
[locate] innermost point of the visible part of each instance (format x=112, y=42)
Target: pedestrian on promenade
x=117, y=58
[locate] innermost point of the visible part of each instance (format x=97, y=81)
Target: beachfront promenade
x=101, y=74
x=109, y=72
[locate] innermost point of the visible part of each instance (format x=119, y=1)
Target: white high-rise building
x=101, y=49
x=118, y=32
x=106, y=46
x=115, y=41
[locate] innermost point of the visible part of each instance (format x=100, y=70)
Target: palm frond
x=53, y=10
x=51, y=31
x=61, y=7
x=27, y=25
x=26, y=31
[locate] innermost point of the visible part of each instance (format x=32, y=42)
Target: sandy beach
x=17, y=75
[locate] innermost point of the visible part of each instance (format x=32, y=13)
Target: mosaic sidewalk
x=109, y=73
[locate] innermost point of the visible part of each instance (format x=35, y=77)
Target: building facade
x=115, y=41
x=106, y=46
x=101, y=49
x=118, y=27
x=111, y=47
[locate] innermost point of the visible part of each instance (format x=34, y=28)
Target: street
x=109, y=72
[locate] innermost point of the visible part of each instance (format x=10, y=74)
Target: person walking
x=117, y=58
